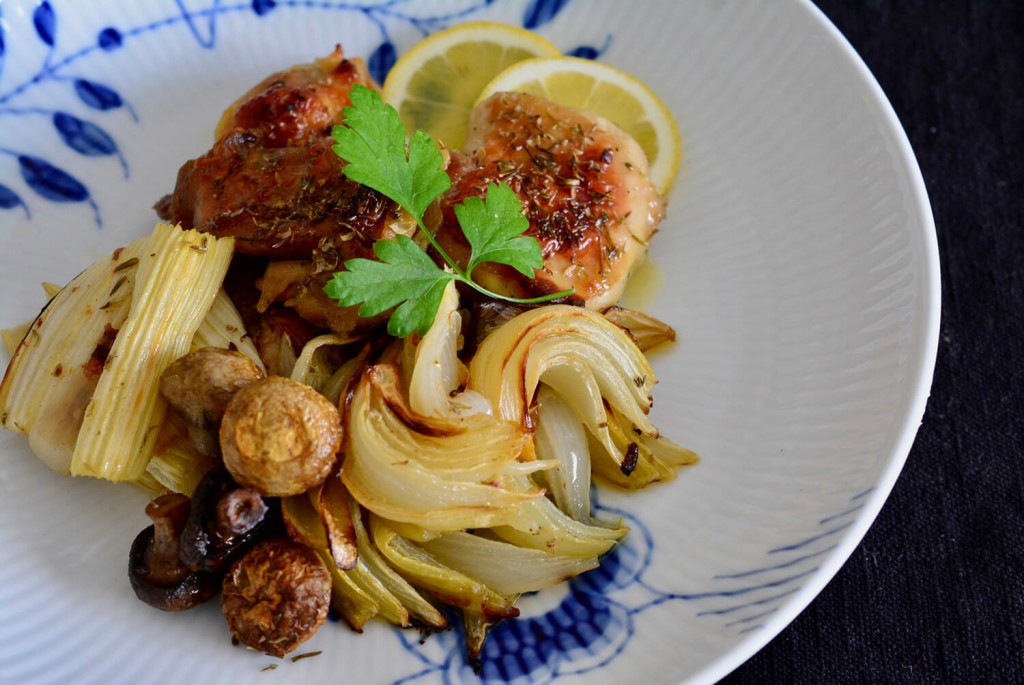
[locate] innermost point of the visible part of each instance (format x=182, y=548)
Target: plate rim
x=927, y=329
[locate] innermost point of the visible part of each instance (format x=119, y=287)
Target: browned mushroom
x=157, y=574
x=224, y=522
x=199, y=386
x=276, y=596
x=280, y=437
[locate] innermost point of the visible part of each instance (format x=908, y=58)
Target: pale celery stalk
x=179, y=275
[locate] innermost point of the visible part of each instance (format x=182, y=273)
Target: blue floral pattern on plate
x=593, y=620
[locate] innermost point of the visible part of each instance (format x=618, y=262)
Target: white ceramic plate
x=798, y=261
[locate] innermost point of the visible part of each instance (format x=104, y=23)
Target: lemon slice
x=607, y=92
x=434, y=85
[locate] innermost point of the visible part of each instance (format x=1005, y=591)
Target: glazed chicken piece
x=584, y=185
x=271, y=179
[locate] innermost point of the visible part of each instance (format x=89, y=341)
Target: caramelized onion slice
x=561, y=436
x=313, y=366
x=331, y=500
x=654, y=459
x=541, y=525
x=511, y=361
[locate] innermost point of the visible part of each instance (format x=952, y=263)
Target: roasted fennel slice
x=594, y=367
x=82, y=385
x=58, y=362
x=179, y=276
x=442, y=474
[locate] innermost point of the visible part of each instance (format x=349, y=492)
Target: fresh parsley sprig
x=372, y=141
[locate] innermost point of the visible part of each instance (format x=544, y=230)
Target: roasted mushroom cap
x=276, y=596
x=157, y=574
x=200, y=384
x=280, y=437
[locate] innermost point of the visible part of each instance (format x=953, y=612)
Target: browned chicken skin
x=584, y=185
x=271, y=180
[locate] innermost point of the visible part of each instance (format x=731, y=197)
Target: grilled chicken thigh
x=584, y=185
x=271, y=179
x=272, y=182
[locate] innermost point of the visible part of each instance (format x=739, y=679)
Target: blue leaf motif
x=261, y=7
x=540, y=12
x=584, y=52
x=3, y=45
x=8, y=198
x=381, y=61
x=83, y=137
x=590, y=51
x=97, y=95
x=45, y=22
x=110, y=39
x=50, y=182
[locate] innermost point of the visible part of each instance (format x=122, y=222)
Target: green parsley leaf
x=404, y=276
x=494, y=227
x=372, y=141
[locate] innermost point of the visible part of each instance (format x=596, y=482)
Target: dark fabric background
x=935, y=592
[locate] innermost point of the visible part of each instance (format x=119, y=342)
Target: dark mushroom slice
x=486, y=316
x=280, y=437
x=224, y=522
x=276, y=596
x=157, y=574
